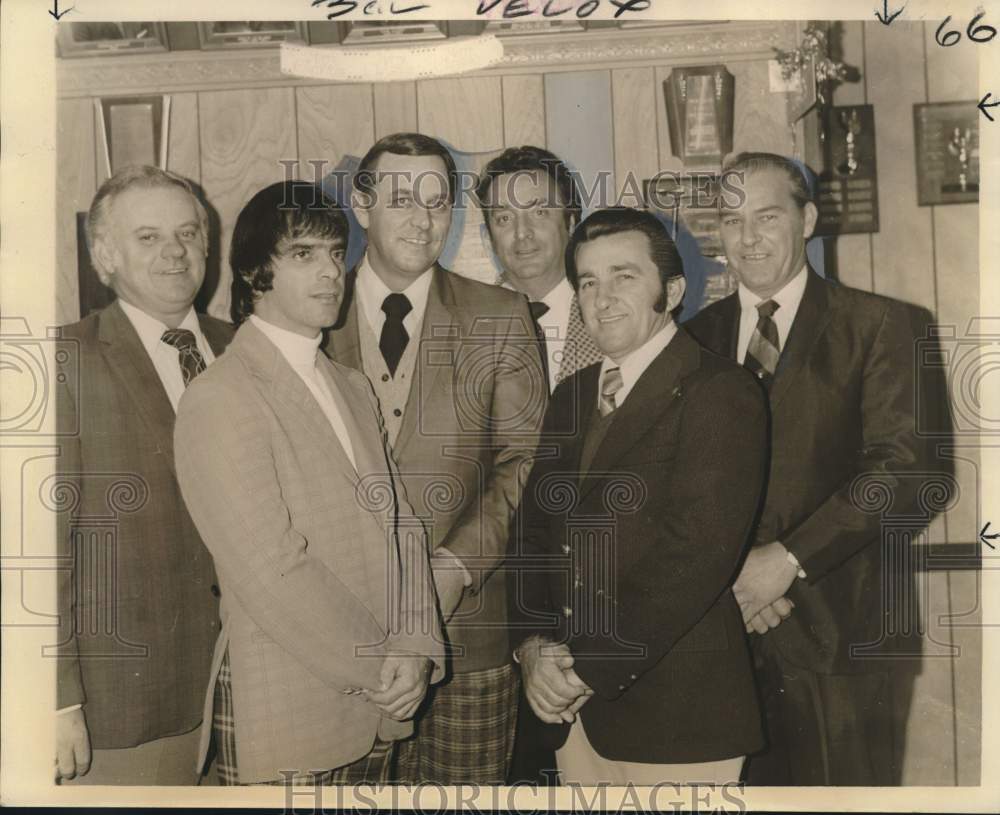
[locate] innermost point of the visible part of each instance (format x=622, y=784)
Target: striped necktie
x=611, y=383
x=764, y=348
x=190, y=358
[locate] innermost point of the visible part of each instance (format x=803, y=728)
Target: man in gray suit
x=138, y=616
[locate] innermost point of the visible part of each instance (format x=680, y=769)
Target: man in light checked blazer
x=330, y=626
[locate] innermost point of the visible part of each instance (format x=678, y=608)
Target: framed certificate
x=249, y=33
x=133, y=130
x=98, y=39
x=700, y=113
x=947, y=141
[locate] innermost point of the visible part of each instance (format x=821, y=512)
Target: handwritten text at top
x=503, y=9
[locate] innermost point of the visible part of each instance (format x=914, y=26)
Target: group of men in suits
x=393, y=562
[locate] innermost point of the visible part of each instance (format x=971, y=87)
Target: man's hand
x=765, y=577
x=770, y=616
x=404, y=679
x=449, y=582
x=551, y=686
x=72, y=744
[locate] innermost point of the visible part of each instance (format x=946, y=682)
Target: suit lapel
x=344, y=341
x=127, y=359
x=364, y=457
x=810, y=321
x=723, y=334
x=429, y=381
x=218, y=335
x=288, y=389
x=654, y=392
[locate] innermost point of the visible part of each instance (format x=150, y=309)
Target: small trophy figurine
x=959, y=148
x=852, y=124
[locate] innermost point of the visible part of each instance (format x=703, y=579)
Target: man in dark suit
x=454, y=364
x=531, y=204
x=139, y=613
x=634, y=521
x=837, y=364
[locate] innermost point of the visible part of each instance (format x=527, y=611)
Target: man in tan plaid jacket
x=330, y=626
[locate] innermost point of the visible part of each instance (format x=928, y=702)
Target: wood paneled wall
x=613, y=120
x=231, y=141
x=929, y=256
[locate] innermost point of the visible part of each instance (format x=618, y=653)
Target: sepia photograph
x=601, y=409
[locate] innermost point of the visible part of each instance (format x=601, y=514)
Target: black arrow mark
x=987, y=538
x=983, y=105
x=885, y=17
x=56, y=13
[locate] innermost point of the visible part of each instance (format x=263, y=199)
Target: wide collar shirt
x=165, y=358
x=788, y=300
x=371, y=293
x=636, y=363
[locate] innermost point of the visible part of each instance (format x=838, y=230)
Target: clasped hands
x=552, y=687
x=403, y=682
x=760, y=588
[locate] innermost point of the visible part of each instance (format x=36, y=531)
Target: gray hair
x=135, y=175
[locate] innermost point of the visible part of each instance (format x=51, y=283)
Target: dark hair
x=403, y=144
x=794, y=171
x=532, y=159
x=142, y=176
x=618, y=220
x=283, y=211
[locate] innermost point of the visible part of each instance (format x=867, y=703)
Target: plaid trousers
x=466, y=732
x=372, y=768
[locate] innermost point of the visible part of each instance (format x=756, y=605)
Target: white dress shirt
x=788, y=300
x=371, y=292
x=301, y=353
x=636, y=363
x=165, y=358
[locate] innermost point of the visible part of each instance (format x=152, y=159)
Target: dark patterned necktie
x=611, y=383
x=190, y=358
x=539, y=310
x=764, y=348
x=394, y=338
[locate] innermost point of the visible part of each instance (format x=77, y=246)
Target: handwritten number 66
x=976, y=33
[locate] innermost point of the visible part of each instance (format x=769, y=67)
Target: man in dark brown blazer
x=838, y=367
x=634, y=521
x=138, y=601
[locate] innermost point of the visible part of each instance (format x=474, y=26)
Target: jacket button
x=633, y=677
x=397, y=412
x=215, y=591
x=567, y=611
x=565, y=548
x=621, y=687
x=385, y=377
